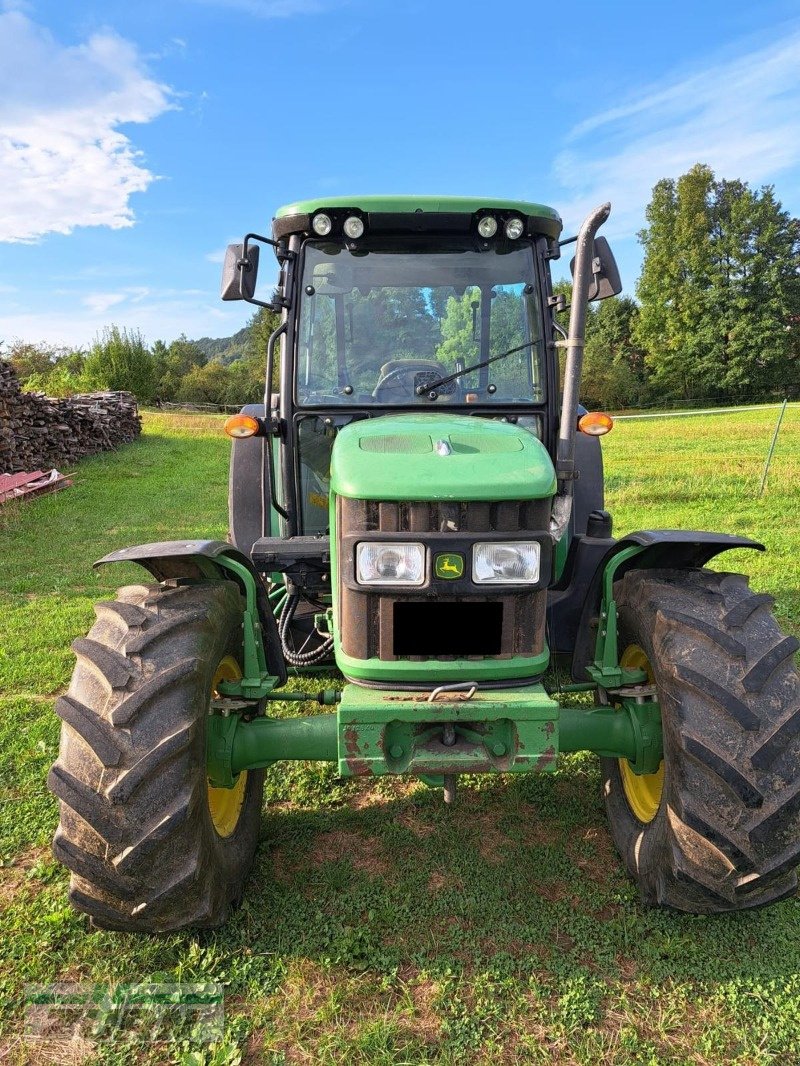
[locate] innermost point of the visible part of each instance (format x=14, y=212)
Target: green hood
x=440, y=457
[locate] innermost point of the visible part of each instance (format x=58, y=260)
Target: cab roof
x=415, y=213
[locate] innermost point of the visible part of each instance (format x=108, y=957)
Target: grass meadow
x=379, y=926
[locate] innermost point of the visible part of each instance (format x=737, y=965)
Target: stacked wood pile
x=38, y=432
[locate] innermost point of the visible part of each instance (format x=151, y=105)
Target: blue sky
x=137, y=139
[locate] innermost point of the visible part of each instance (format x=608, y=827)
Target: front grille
x=367, y=618
x=473, y=516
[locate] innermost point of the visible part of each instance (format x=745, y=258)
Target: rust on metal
x=356, y=764
x=547, y=758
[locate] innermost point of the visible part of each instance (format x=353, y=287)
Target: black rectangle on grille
x=439, y=629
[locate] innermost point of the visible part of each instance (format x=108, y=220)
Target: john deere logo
x=449, y=566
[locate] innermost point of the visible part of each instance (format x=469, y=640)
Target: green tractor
x=419, y=506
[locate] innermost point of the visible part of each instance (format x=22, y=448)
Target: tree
x=205, y=384
x=614, y=370
x=458, y=337
x=719, y=290
x=171, y=364
x=53, y=369
x=120, y=360
x=261, y=327
x=36, y=359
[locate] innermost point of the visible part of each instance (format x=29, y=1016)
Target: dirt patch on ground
x=493, y=843
x=439, y=881
x=15, y=874
x=425, y=1023
x=628, y=969
x=365, y=853
x=317, y=1004
x=380, y=791
x=592, y=850
x=417, y=824
x=73, y=1052
x=552, y=891
x=282, y=869
x=537, y=831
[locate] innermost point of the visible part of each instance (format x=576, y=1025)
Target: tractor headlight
x=487, y=227
x=390, y=564
x=321, y=225
x=353, y=227
x=514, y=228
x=514, y=562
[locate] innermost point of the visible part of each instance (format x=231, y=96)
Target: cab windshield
x=384, y=326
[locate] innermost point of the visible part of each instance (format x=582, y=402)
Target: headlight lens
x=321, y=225
x=514, y=228
x=487, y=227
x=353, y=227
x=508, y=563
x=390, y=564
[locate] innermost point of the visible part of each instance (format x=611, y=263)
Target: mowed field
x=379, y=926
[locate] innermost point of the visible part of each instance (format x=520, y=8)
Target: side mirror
x=606, y=280
x=239, y=274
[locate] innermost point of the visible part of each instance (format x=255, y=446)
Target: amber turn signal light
x=595, y=423
x=242, y=426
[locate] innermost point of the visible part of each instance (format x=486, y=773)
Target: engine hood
x=439, y=457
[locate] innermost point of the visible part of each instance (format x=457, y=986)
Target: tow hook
x=459, y=691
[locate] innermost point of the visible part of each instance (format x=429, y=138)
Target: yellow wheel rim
x=642, y=791
x=225, y=804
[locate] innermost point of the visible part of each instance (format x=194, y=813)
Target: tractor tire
x=720, y=831
x=136, y=826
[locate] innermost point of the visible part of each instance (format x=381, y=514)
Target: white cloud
x=741, y=116
x=99, y=302
x=63, y=160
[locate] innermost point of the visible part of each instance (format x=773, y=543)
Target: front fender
x=673, y=549
x=199, y=559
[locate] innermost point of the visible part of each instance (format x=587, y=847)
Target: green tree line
x=180, y=372
x=717, y=313
x=716, y=318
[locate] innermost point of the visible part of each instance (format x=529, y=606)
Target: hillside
x=226, y=349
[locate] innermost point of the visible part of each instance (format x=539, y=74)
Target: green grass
x=380, y=926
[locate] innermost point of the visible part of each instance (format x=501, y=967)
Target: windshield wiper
x=433, y=385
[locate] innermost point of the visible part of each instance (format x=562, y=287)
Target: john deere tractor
x=417, y=509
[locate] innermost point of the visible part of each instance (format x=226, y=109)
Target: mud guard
x=197, y=559
x=674, y=549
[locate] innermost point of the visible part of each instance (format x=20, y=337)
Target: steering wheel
x=399, y=383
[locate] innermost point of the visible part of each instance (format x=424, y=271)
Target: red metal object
x=35, y=483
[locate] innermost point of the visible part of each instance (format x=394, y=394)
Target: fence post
x=772, y=447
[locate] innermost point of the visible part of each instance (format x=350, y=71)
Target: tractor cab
x=406, y=304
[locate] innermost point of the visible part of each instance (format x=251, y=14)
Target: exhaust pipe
x=582, y=281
